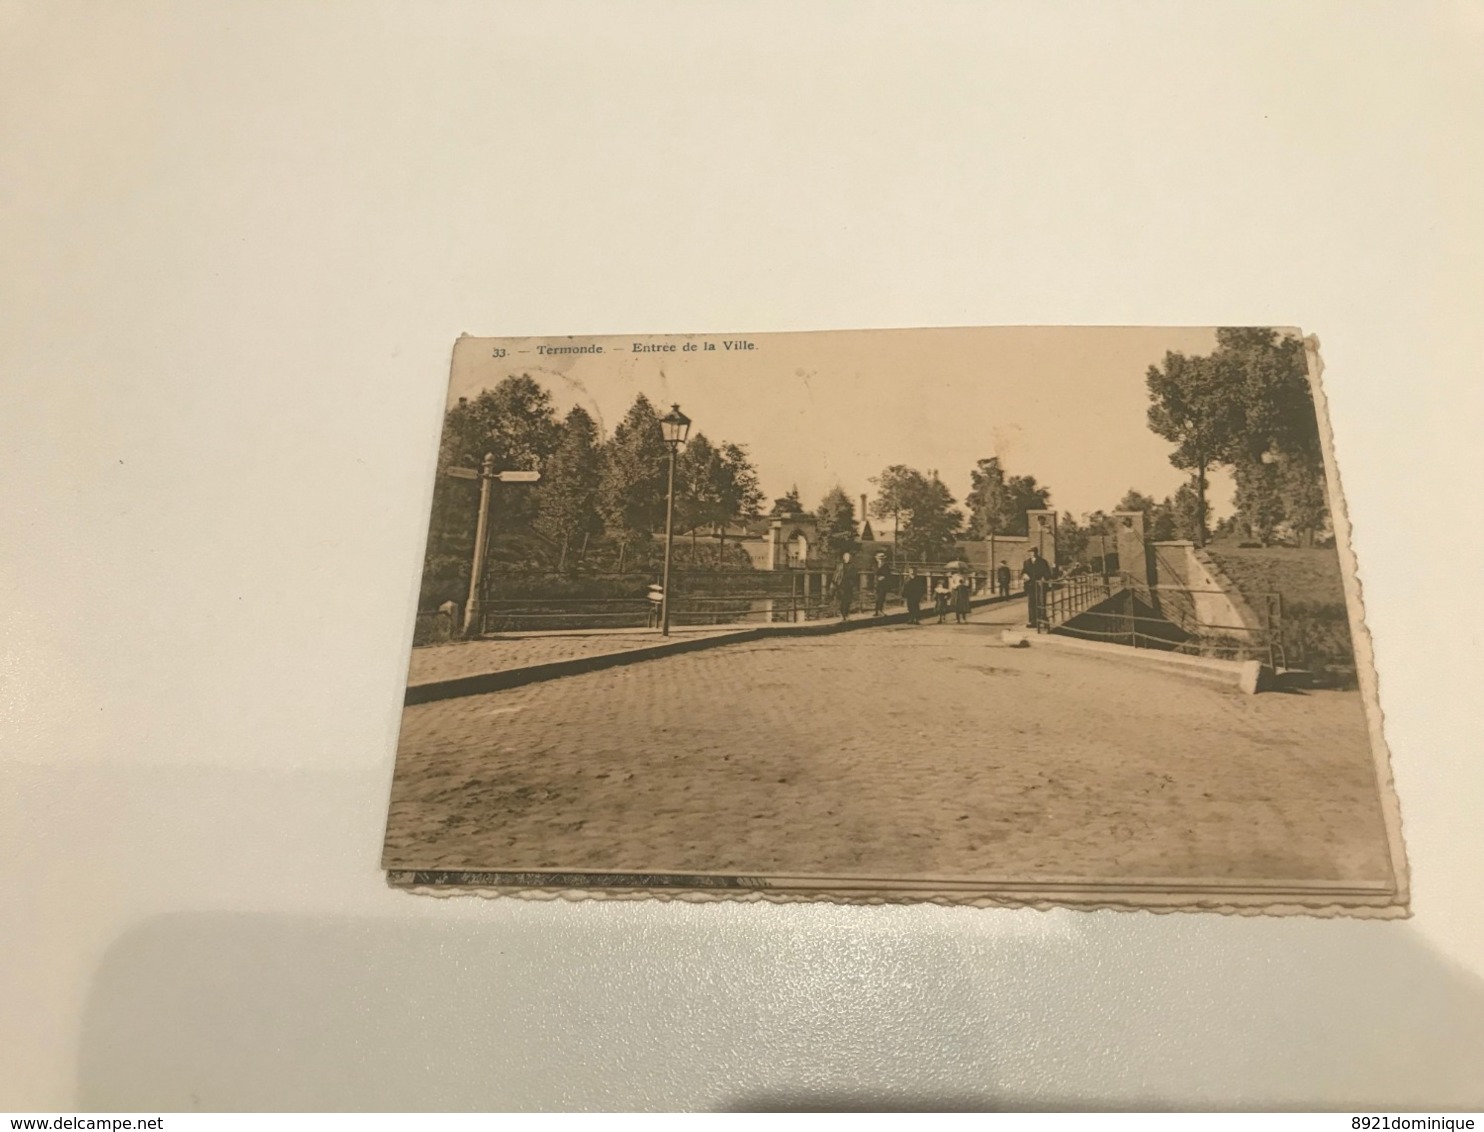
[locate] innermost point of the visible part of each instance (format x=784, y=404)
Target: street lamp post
x=674, y=425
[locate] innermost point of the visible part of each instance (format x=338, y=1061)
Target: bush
x=1316, y=635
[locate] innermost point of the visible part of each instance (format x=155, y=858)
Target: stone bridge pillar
x=1133, y=553
x=1041, y=528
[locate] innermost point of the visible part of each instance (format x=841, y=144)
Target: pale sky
x=1066, y=405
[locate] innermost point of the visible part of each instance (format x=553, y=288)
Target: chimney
x=863, y=507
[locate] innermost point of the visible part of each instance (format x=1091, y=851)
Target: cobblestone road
x=933, y=751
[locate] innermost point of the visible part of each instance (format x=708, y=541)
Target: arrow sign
x=519, y=477
x=463, y=473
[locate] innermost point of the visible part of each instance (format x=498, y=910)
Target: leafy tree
x=1165, y=520
x=922, y=506
x=1090, y=538
x=1303, y=485
x=997, y=503
x=698, y=487
x=515, y=422
x=988, y=500
x=1161, y=526
x=1269, y=379
x=836, y=522
x=1137, y=501
x=716, y=485
x=1248, y=406
x=1259, y=499
x=1071, y=539
x=894, y=488
x=935, y=523
x=566, y=501
x=1225, y=527
x=1191, y=405
x=632, y=487
x=1187, y=511
x=1275, y=452
x=739, y=490
x=789, y=504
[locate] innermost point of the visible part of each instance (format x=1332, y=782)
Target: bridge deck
x=928, y=751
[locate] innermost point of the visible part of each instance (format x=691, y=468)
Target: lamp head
x=675, y=425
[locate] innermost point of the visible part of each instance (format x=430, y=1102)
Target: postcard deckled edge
x=1365, y=659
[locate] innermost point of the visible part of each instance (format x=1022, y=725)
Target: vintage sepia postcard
x=1001, y=616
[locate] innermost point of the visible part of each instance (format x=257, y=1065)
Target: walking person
x=843, y=584
x=961, y=589
x=914, y=589
x=1035, y=572
x=940, y=599
x=1002, y=578
x=882, y=574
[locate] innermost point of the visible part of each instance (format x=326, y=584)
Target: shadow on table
x=642, y=1005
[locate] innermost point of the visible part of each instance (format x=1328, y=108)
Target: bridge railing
x=1066, y=598
x=1169, y=618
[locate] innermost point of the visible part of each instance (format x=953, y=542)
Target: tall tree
x=1275, y=451
x=1259, y=499
x=1188, y=516
x=698, y=476
x=566, y=501
x=935, y=523
x=997, y=503
x=835, y=520
x=924, y=508
x=739, y=490
x=717, y=485
x=1248, y=406
x=1304, y=490
x=894, y=487
x=1193, y=406
x=988, y=500
x=631, y=490
x=515, y=421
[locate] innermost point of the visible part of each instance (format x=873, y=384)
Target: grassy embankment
x=1316, y=623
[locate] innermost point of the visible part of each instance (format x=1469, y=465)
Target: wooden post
x=474, y=607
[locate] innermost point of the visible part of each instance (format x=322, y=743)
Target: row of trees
x=1091, y=537
x=923, y=514
x=600, y=500
x=1248, y=407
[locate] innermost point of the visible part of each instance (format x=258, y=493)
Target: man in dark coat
x=1002, y=578
x=914, y=589
x=1036, y=573
x=883, y=582
x=843, y=585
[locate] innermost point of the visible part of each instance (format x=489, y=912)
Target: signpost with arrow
x=486, y=475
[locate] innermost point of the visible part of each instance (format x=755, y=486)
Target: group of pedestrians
x=951, y=592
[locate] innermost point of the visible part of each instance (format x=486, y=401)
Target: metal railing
x=1065, y=598
x=1161, y=617
x=515, y=602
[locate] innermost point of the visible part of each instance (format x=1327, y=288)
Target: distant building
x=774, y=542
